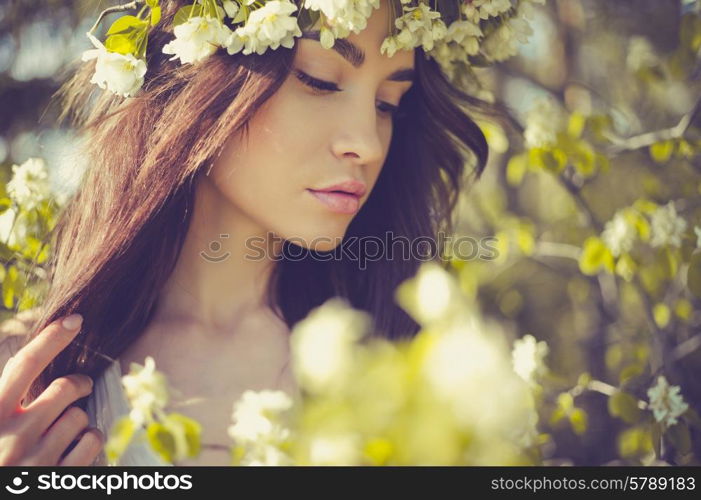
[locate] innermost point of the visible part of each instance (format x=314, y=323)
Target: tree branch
x=650, y=138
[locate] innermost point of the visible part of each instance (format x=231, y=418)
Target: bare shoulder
x=13, y=334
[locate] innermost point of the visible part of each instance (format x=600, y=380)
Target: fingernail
x=72, y=322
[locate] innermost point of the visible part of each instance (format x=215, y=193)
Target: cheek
x=265, y=163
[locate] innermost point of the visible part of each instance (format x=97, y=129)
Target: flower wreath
x=458, y=34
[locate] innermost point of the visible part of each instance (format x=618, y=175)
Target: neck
x=216, y=284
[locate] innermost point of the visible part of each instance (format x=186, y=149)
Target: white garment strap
x=105, y=405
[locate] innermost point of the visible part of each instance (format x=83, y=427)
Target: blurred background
x=593, y=194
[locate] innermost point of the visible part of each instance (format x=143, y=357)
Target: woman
x=202, y=230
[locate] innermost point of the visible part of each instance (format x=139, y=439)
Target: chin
x=319, y=241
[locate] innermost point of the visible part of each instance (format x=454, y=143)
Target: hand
x=40, y=433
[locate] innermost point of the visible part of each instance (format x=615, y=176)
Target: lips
x=349, y=186
x=342, y=197
x=338, y=201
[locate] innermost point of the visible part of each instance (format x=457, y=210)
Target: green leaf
x=692, y=417
x=237, y=454
x=191, y=430
x=685, y=149
x=634, y=442
x=5, y=203
x=155, y=15
x=662, y=314
x=656, y=436
x=9, y=287
x=583, y=159
x=27, y=300
x=680, y=437
x=121, y=44
x=662, y=151
x=600, y=126
x=624, y=406
x=119, y=438
x=578, y=421
x=242, y=14
x=576, y=124
x=161, y=440
x=32, y=247
x=626, y=267
x=556, y=416
x=516, y=169
x=210, y=8
x=550, y=159
x=565, y=401
x=43, y=254
x=693, y=274
x=594, y=256
x=126, y=23
x=631, y=371
x=185, y=13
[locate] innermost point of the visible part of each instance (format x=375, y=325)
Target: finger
x=61, y=393
x=87, y=449
x=61, y=434
x=23, y=368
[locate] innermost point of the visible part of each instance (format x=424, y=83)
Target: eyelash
x=322, y=85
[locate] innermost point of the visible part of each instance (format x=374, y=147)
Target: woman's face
x=303, y=140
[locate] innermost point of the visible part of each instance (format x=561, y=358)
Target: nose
x=358, y=135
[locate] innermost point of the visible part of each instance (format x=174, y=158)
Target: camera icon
x=16, y=488
x=215, y=246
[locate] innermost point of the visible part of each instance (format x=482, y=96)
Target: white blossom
x=504, y=41
x=666, y=403
x=256, y=416
x=618, y=234
x=29, y=185
x=543, y=121
x=460, y=41
x=330, y=8
x=335, y=449
x=122, y=74
x=463, y=364
x=342, y=17
x=267, y=27
x=486, y=8
x=418, y=26
x=197, y=38
x=445, y=53
x=231, y=8
x=146, y=389
x=323, y=343
x=528, y=358
x=640, y=54
x=466, y=34
x=666, y=226
x=259, y=428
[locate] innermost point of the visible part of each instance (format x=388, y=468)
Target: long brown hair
x=120, y=234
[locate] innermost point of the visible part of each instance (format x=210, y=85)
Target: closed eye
x=324, y=86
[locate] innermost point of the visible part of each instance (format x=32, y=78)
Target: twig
x=609, y=390
x=580, y=201
x=116, y=8
x=554, y=249
x=687, y=347
x=650, y=138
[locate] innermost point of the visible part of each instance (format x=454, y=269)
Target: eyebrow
x=355, y=55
